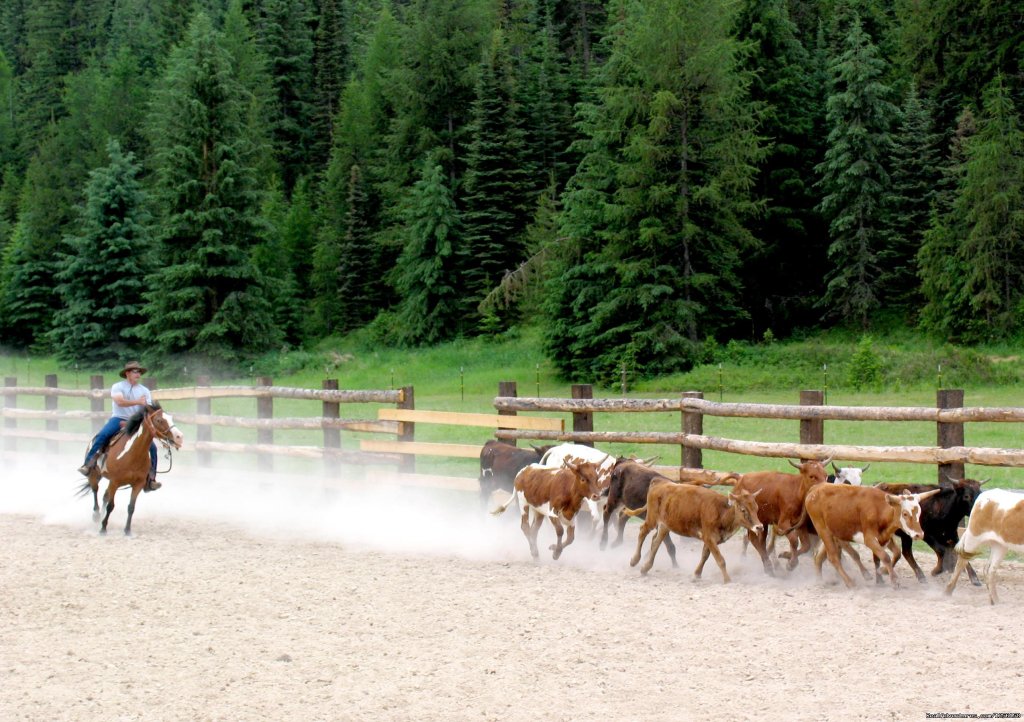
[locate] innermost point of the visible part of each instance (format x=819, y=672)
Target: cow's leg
x=704, y=554
x=756, y=539
x=570, y=534
x=972, y=575
x=794, y=545
x=655, y=543
x=832, y=550
x=907, y=549
x=871, y=542
x=645, y=529
x=709, y=544
x=530, y=529
x=961, y=562
x=670, y=546
x=819, y=558
x=620, y=528
x=847, y=548
x=131, y=509
x=556, y=548
x=998, y=552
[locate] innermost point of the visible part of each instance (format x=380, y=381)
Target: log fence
x=396, y=419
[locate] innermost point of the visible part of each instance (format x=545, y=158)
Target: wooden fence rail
x=398, y=424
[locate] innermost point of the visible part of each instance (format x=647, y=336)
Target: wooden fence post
x=692, y=423
x=50, y=404
x=407, y=431
x=812, y=431
x=332, y=437
x=950, y=434
x=583, y=420
x=204, y=432
x=10, y=402
x=265, y=410
x=507, y=388
x=96, y=402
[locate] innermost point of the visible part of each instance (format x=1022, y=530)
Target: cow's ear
x=893, y=499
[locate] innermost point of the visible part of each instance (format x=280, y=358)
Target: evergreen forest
x=215, y=180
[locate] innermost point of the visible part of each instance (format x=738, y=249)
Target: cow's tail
x=799, y=523
x=635, y=512
x=508, y=502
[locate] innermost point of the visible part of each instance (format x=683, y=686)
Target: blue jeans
x=104, y=435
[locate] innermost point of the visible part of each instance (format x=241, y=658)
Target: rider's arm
x=120, y=400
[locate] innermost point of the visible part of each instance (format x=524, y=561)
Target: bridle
x=165, y=437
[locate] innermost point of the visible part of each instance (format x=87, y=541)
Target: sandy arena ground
x=261, y=599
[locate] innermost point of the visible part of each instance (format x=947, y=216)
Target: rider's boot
x=151, y=483
x=88, y=466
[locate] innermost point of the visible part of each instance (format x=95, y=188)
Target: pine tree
x=206, y=298
x=915, y=175
x=431, y=309
x=990, y=206
x=360, y=295
x=855, y=179
x=102, y=276
x=285, y=36
x=330, y=71
x=9, y=154
x=791, y=231
x=497, y=182
x=941, y=269
x=658, y=206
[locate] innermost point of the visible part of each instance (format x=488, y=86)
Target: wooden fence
x=396, y=419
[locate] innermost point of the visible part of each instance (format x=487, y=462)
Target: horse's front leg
x=131, y=508
x=108, y=500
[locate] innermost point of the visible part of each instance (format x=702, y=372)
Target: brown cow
x=781, y=502
x=864, y=514
x=554, y=493
x=695, y=512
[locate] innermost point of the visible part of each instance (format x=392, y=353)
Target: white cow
x=996, y=521
x=848, y=474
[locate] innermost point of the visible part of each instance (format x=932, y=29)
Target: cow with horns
x=940, y=521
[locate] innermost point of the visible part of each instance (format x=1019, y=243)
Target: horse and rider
x=128, y=396
x=124, y=450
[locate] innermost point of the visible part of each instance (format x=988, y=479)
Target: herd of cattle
x=811, y=509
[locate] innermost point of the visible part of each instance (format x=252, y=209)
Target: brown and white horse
x=127, y=462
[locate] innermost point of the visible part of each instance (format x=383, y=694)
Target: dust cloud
x=376, y=515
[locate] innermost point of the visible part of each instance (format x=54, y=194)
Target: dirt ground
x=273, y=598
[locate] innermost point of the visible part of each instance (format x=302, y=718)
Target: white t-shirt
x=130, y=393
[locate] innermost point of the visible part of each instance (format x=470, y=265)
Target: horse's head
x=163, y=427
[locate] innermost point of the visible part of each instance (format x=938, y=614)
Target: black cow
x=499, y=464
x=940, y=517
x=628, y=489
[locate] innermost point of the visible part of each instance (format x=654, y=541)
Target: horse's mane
x=135, y=421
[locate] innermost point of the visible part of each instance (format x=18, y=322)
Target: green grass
x=464, y=375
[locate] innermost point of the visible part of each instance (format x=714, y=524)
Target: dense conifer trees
x=640, y=175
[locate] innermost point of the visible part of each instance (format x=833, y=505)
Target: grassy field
x=464, y=376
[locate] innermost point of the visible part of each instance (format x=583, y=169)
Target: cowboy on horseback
x=129, y=397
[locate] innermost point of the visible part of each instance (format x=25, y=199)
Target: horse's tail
x=83, y=489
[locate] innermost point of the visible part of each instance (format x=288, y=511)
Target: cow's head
x=588, y=477
x=849, y=474
x=811, y=472
x=966, y=492
x=907, y=507
x=746, y=509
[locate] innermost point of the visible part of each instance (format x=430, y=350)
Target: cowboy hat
x=131, y=366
